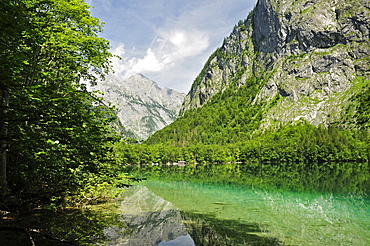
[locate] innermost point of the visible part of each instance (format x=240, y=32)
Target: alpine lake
x=244, y=204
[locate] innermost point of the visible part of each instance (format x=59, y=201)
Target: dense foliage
x=226, y=130
x=55, y=135
x=362, y=115
x=301, y=142
x=228, y=117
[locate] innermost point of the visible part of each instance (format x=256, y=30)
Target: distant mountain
x=142, y=106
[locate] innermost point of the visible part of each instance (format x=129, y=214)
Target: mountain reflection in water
x=267, y=204
x=179, y=241
x=150, y=220
x=247, y=204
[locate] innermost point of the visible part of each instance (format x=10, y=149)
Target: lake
x=246, y=204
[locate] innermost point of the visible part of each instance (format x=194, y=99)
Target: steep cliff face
x=142, y=106
x=311, y=56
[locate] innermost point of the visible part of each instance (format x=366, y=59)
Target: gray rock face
x=310, y=55
x=142, y=106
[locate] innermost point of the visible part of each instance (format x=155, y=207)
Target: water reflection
x=222, y=214
x=338, y=178
x=66, y=226
x=209, y=229
x=268, y=204
x=179, y=241
x=150, y=220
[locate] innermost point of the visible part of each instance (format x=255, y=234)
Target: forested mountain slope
x=289, y=61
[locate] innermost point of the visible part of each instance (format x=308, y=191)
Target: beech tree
x=54, y=133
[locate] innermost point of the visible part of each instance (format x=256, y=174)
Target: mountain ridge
x=289, y=62
x=305, y=52
x=142, y=106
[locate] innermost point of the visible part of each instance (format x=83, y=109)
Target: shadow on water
x=44, y=227
x=207, y=230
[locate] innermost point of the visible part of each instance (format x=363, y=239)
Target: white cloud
x=167, y=41
x=184, y=43
x=118, y=62
x=119, y=50
x=150, y=63
x=168, y=50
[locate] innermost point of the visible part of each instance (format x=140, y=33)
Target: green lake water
x=240, y=204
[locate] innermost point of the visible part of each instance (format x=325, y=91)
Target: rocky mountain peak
x=142, y=106
x=307, y=54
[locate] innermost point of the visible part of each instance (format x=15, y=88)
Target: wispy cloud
x=168, y=41
x=170, y=48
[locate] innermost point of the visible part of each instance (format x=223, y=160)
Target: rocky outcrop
x=309, y=54
x=142, y=106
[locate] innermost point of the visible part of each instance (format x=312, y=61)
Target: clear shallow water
x=176, y=206
x=289, y=218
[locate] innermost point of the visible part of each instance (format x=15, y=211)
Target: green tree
x=55, y=132
x=13, y=24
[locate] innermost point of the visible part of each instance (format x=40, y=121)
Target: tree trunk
x=3, y=138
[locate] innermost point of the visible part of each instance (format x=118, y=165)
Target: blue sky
x=167, y=40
